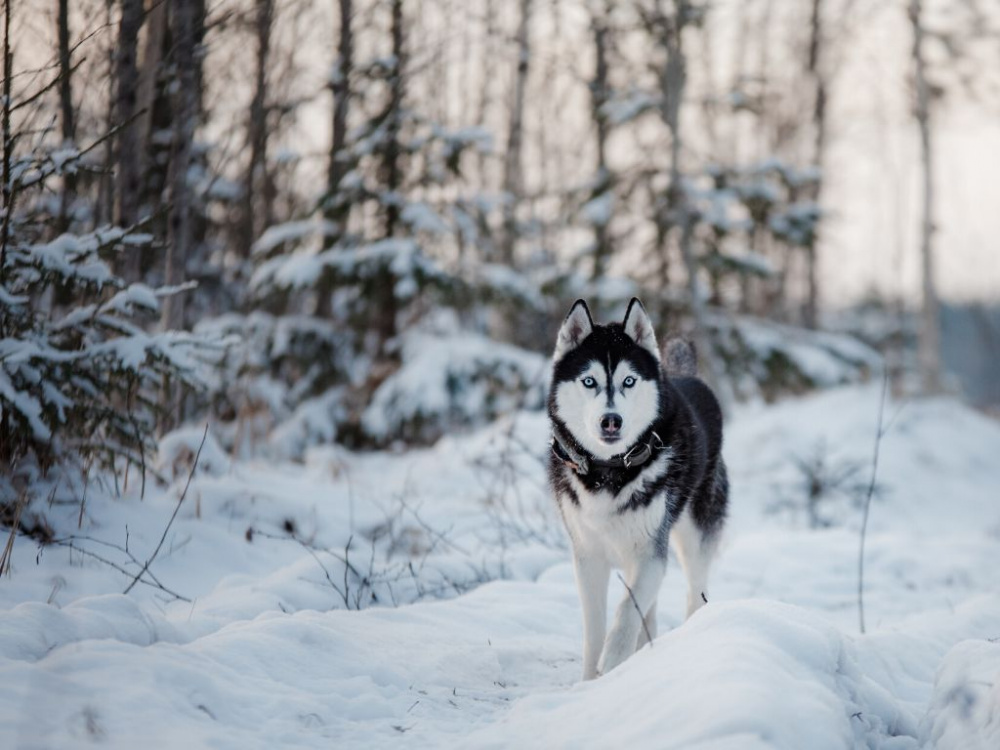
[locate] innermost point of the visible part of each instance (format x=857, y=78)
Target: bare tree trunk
x=200, y=25
x=393, y=151
x=766, y=131
x=930, y=331
x=712, y=98
x=104, y=212
x=128, y=155
x=180, y=229
x=338, y=164
x=151, y=61
x=488, y=75
x=662, y=245
x=814, y=66
x=438, y=65
x=599, y=94
x=392, y=170
x=465, y=71
x=257, y=212
x=513, y=186
x=67, y=111
x=7, y=189
x=185, y=112
x=673, y=81
x=548, y=138
x=334, y=208
x=156, y=103
x=741, y=76
x=65, y=75
x=6, y=445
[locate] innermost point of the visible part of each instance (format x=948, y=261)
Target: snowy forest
x=280, y=283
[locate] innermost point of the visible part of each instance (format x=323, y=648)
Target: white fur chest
x=598, y=528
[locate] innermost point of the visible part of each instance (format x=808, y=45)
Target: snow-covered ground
x=246, y=630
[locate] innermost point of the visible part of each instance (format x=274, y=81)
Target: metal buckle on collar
x=643, y=452
x=627, y=458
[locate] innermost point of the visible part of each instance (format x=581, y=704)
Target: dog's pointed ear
x=639, y=327
x=577, y=326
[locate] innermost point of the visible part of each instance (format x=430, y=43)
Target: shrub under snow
x=767, y=359
x=79, y=374
x=457, y=379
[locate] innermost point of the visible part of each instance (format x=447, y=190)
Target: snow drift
x=469, y=629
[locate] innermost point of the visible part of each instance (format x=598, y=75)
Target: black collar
x=581, y=463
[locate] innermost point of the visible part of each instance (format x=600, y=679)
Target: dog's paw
x=616, y=650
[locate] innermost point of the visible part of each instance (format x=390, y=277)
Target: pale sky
x=874, y=187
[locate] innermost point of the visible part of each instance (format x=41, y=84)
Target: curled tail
x=680, y=359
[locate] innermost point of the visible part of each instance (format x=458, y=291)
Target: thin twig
x=347, y=565
x=86, y=486
x=47, y=170
x=642, y=617
x=132, y=389
x=312, y=552
x=154, y=584
x=868, y=502
x=306, y=545
x=171, y=521
x=8, y=550
x=326, y=572
x=426, y=527
x=47, y=87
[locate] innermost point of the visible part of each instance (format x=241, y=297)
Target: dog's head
x=606, y=382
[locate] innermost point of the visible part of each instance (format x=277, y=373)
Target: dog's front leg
x=592, y=575
x=643, y=582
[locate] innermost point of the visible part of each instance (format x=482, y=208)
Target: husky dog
x=635, y=463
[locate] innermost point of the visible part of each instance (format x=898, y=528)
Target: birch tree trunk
x=513, y=186
x=929, y=354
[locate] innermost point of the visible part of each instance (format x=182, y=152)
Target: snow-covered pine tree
x=396, y=235
x=79, y=368
x=742, y=228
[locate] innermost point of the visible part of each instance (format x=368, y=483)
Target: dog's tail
x=680, y=358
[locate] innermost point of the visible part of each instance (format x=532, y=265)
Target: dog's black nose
x=611, y=423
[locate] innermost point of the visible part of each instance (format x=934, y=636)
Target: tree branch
x=868, y=502
x=642, y=615
x=171, y=521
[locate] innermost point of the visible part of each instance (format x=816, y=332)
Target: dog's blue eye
x=589, y=382
x=629, y=382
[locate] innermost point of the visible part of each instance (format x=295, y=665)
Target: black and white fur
x=635, y=464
